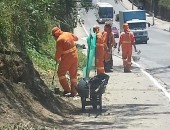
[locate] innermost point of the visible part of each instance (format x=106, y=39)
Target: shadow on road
x=117, y=116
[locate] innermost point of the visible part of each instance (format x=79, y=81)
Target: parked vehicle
x=115, y=31
x=136, y=20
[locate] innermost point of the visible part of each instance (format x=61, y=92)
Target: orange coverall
x=100, y=53
x=126, y=41
x=109, y=42
x=66, y=53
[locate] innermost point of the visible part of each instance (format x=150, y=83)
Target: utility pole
x=153, y=8
x=132, y=5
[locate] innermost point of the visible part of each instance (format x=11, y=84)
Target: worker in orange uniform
x=66, y=55
x=109, y=42
x=99, y=50
x=126, y=41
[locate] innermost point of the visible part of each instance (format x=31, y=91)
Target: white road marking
x=85, y=30
x=153, y=80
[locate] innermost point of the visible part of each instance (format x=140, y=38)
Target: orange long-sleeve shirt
x=100, y=46
x=65, y=44
x=126, y=38
x=109, y=38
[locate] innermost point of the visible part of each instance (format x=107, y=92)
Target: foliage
x=41, y=59
x=82, y=59
x=161, y=8
x=164, y=3
x=87, y=4
x=27, y=25
x=45, y=60
x=5, y=22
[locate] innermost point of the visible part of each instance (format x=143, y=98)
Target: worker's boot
x=125, y=69
x=125, y=65
x=73, y=91
x=128, y=68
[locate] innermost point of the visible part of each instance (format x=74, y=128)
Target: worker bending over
x=67, y=57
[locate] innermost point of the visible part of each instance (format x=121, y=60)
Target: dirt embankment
x=24, y=97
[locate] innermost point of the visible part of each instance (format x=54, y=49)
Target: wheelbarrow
x=91, y=91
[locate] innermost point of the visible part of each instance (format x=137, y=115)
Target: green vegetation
x=82, y=59
x=45, y=58
x=164, y=3
x=26, y=25
x=161, y=7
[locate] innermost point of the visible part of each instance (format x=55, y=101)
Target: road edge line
x=158, y=85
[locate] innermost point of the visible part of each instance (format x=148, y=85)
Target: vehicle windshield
x=105, y=12
x=135, y=26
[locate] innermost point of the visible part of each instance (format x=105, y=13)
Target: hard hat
x=56, y=31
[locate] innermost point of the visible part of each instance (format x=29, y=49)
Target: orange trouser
x=107, y=56
x=108, y=60
x=68, y=64
x=100, y=66
x=126, y=56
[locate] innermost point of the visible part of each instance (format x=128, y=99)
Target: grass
x=82, y=59
x=44, y=59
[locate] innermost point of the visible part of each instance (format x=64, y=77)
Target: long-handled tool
x=54, y=75
x=55, y=89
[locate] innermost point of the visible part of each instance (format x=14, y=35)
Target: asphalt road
x=155, y=56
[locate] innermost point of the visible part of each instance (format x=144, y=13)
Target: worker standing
x=66, y=55
x=109, y=42
x=99, y=50
x=126, y=41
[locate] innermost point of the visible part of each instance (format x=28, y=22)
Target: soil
x=26, y=97
x=29, y=100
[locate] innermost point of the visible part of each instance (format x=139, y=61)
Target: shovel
x=55, y=89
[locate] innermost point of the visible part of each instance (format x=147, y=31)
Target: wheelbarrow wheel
x=83, y=101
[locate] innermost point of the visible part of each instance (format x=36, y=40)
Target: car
x=115, y=31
